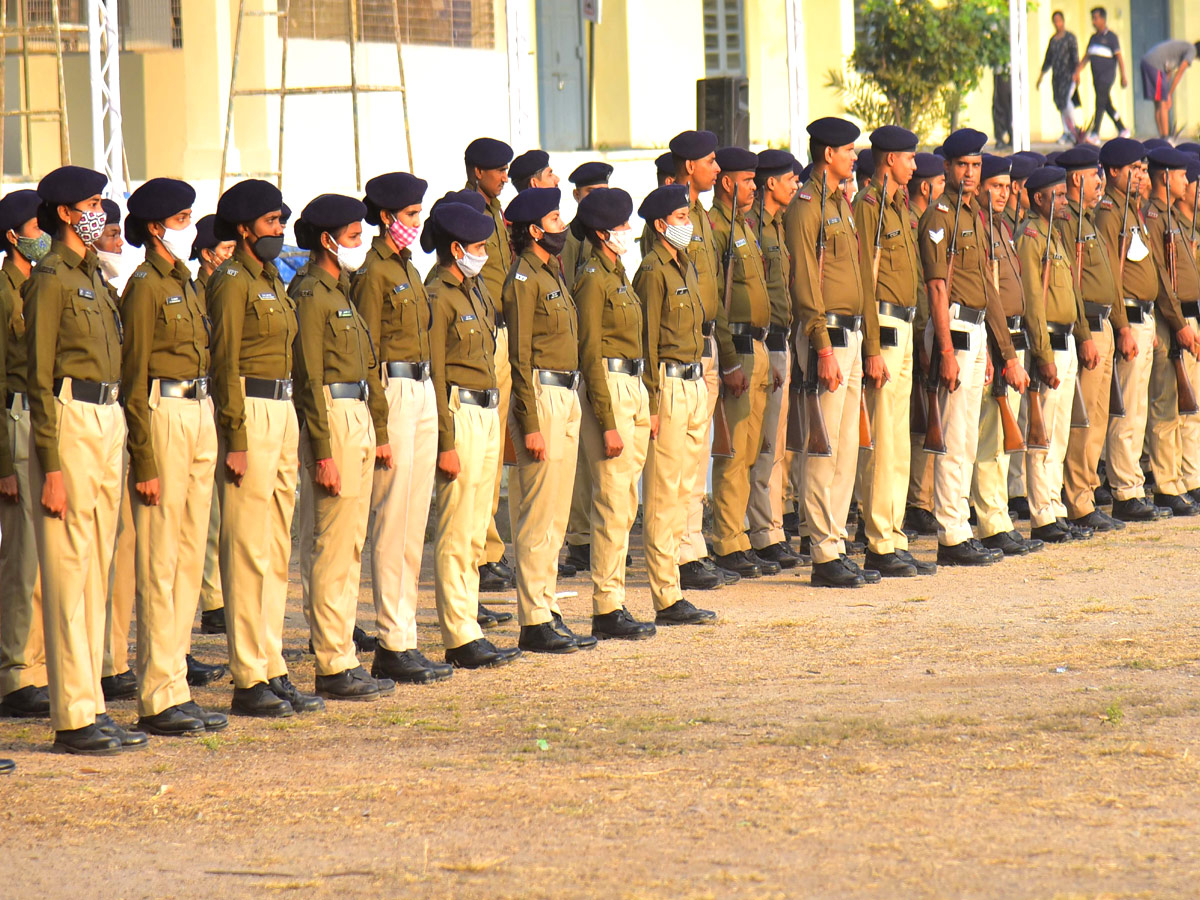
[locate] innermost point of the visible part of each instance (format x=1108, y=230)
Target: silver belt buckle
x=284, y=387
x=113, y=392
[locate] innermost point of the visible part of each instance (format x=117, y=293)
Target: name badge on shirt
x=345, y=313
x=171, y=300
x=833, y=221
x=267, y=295
x=86, y=294
x=682, y=290
x=968, y=233
x=697, y=239
x=520, y=277
x=469, y=317
x=892, y=234
x=622, y=289
x=400, y=287
x=740, y=242
x=554, y=295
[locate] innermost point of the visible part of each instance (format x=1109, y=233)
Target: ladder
x=280, y=13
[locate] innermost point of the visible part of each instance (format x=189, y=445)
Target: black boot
x=621, y=625
x=585, y=641
x=544, y=638
x=119, y=687
x=580, y=556
x=26, y=703
x=212, y=621
x=199, y=674
x=480, y=654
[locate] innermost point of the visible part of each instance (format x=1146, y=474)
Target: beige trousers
x=1127, y=435
x=692, y=545
x=170, y=546
x=579, y=523
x=76, y=554
x=211, y=595
x=920, y=473
x=764, y=512
x=22, y=638
x=1044, y=468
x=122, y=585
x=1164, y=424
x=884, y=469
x=731, y=475
x=1085, y=444
x=494, y=548
x=989, y=482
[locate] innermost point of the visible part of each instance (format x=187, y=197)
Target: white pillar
x=1018, y=40
x=797, y=66
x=104, y=70
x=522, y=82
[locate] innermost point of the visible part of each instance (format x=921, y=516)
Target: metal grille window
x=723, y=38
x=445, y=23
x=144, y=24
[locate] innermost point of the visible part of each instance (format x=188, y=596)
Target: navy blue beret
x=393, y=191
x=1156, y=144
x=1052, y=157
x=736, y=159
x=112, y=212
x=1084, y=156
x=1023, y=166
x=206, y=239
x=245, y=202
x=663, y=201
x=461, y=223
x=1121, y=152
x=1193, y=173
x=864, y=166
x=894, y=139
x=488, y=153
x=528, y=164
x=329, y=212
x=161, y=198
x=1189, y=147
x=833, y=132
x=1168, y=158
x=70, y=184
x=17, y=208
x=929, y=165
x=591, y=173
x=465, y=197
x=665, y=164
x=533, y=205
x=1046, y=176
x=605, y=210
x=775, y=162
x=993, y=166
x=964, y=142
x=693, y=144
x=1038, y=159
x=802, y=172
x=939, y=151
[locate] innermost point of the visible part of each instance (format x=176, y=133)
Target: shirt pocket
x=342, y=332
x=552, y=316
x=469, y=338
x=1061, y=274
x=175, y=320
x=81, y=316
x=624, y=313
x=773, y=264
x=268, y=315
x=16, y=325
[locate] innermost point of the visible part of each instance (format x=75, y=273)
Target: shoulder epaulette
x=1030, y=231
x=304, y=292
x=804, y=195
x=942, y=207
x=589, y=268
x=140, y=273
x=1151, y=214
x=1106, y=203
x=232, y=270
x=871, y=198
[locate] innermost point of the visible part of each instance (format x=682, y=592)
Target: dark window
x=446, y=23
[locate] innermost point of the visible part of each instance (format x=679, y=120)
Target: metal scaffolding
x=104, y=69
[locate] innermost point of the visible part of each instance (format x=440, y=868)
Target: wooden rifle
x=818, y=435
x=722, y=444
x=1038, y=438
x=1184, y=392
x=794, y=436
x=1079, y=413
x=865, y=440
x=1014, y=442
x=935, y=436
x=1116, y=393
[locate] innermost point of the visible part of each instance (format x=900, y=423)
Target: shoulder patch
x=804, y=195
x=589, y=269
x=942, y=207
x=1030, y=231
x=870, y=198
x=1106, y=203
x=937, y=235
x=518, y=276
x=302, y=292
x=1151, y=214
x=140, y=273
x=48, y=269
x=231, y=271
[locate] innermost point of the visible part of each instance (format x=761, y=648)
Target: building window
x=141, y=24
x=723, y=38
x=444, y=23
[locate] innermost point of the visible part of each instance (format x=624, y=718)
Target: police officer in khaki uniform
x=462, y=337
x=22, y=641
x=254, y=325
x=615, y=427
x=1190, y=426
x=345, y=434
x=532, y=169
x=172, y=451
x=674, y=343
x=73, y=339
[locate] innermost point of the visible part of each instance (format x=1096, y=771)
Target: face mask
x=180, y=242
x=402, y=234
x=90, y=226
x=33, y=249
x=351, y=258
x=679, y=236
x=618, y=241
x=269, y=247
x=470, y=264
x=553, y=242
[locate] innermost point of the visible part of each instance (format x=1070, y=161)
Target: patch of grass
x=1113, y=715
x=210, y=742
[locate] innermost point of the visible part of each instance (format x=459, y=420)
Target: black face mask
x=553, y=242
x=268, y=247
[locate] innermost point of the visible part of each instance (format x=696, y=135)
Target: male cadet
x=882, y=217
x=1177, y=329
x=487, y=162
x=831, y=295
x=776, y=181
x=956, y=340
x=588, y=177
x=1190, y=429
x=1098, y=287
x=1024, y=162
x=532, y=169
x=695, y=156
x=927, y=184
x=864, y=170
x=664, y=171
x=1121, y=229
x=745, y=368
x=1055, y=323
x=1007, y=345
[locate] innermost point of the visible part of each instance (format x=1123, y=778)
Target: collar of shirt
x=532, y=258
x=15, y=275
x=601, y=258
x=73, y=260
x=167, y=269
x=380, y=245
x=247, y=261
x=340, y=283
x=446, y=277
x=665, y=257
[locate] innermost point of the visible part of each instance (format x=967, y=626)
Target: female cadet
x=78, y=432
x=345, y=432
x=462, y=346
x=615, y=427
x=393, y=303
x=208, y=251
x=254, y=324
x=172, y=451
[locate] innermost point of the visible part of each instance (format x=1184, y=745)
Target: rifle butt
x=1079, y=413
x=510, y=450
x=865, y=439
x=1014, y=441
x=1184, y=390
x=1116, y=396
x=818, y=435
x=722, y=442
x=794, y=434
x=1037, y=438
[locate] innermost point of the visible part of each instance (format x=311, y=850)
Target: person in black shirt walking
x=1104, y=54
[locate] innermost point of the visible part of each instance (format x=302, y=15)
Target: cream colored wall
x=666, y=59
x=1185, y=23
x=614, y=85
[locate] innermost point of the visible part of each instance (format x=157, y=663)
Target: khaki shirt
x=749, y=301
x=1139, y=280
x=390, y=297
x=166, y=336
x=462, y=338
x=670, y=295
x=12, y=349
x=610, y=326
x=972, y=285
x=899, y=266
x=847, y=284
x=1097, y=281
x=1169, y=297
x=922, y=317
x=499, y=250
x=73, y=330
x=1010, y=297
x=1062, y=305
x=575, y=253
x=254, y=327
x=776, y=264
x=703, y=254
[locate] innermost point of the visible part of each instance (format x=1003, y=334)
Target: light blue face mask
x=33, y=249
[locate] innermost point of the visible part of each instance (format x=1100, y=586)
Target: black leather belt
x=102, y=393
x=1019, y=340
x=777, y=338
x=417, y=371
x=707, y=328
x=840, y=327
x=12, y=400
x=907, y=313
x=269, y=388
x=1138, y=311
x=348, y=390
x=1060, y=342
x=745, y=329
x=966, y=313
x=568, y=380
x=687, y=371
x=501, y=322
x=625, y=366
x=192, y=389
x=1097, y=309
x=1060, y=327
x=1060, y=335
x=1191, y=308
x=488, y=399
x=1014, y=322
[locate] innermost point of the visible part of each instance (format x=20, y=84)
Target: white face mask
x=618, y=241
x=351, y=258
x=679, y=236
x=470, y=264
x=180, y=242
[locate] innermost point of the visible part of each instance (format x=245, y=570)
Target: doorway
x=562, y=75
x=1150, y=23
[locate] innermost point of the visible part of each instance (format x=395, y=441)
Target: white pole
x=114, y=157
x=797, y=65
x=520, y=124
x=96, y=81
x=1018, y=42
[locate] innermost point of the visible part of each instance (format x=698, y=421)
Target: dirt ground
x=1028, y=730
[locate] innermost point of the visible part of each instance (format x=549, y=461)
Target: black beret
x=70, y=184
x=605, y=210
x=112, y=212
x=929, y=165
x=1038, y=159
x=1156, y=144
x=1193, y=173
x=1084, y=156
x=285, y=213
x=663, y=201
x=865, y=164
x=964, y=142
x=775, y=162
x=487, y=153
x=205, y=238
x=1121, y=152
x=393, y=191
x=894, y=139
x=591, y=173
x=161, y=198
x=1168, y=158
x=533, y=205
x=993, y=166
x=939, y=151
x=465, y=197
x=245, y=202
x=1023, y=165
x=461, y=223
x=528, y=164
x=17, y=208
x=665, y=164
x=473, y=199
x=833, y=132
x=1189, y=147
x=1052, y=157
x=736, y=159
x=693, y=144
x=332, y=211
x=1046, y=176
x=802, y=172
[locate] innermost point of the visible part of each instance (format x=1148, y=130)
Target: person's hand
x=1089, y=355
x=1049, y=375
x=989, y=370
x=236, y=462
x=383, y=456
x=654, y=428
x=54, y=495
x=328, y=476
x=876, y=369
x=829, y=373
x=949, y=371
x=1126, y=343
x=1124, y=80
x=613, y=445
x=776, y=380
x=148, y=490
x=736, y=382
x=447, y=463
x=1016, y=376
x=8, y=488
x=535, y=444
x=1188, y=340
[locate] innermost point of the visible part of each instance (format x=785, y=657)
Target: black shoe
x=920, y=520
x=619, y=624
x=804, y=554
x=580, y=556
x=791, y=524
x=1079, y=532
x=890, y=565
x=544, y=638
x=353, y=684
x=683, y=613
x=911, y=534
x=504, y=570
x=855, y=548
x=119, y=687
x=491, y=581
x=1008, y=543
x=1178, y=504
x=694, y=576
x=566, y=570
x=171, y=722
x=130, y=740
x=1052, y=534
x=1098, y=522
x=739, y=563
x=212, y=621
x=407, y=667
x=86, y=741
x=363, y=642
x=585, y=641
x=766, y=566
x=1018, y=507
x=199, y=674
x=727, y=576
x=7, y=766
x=780, y=554
x=1102, y=496
x=1195, y=495
x=27, y=703
x=213, y=721
x=500, y=617
x=480, y=654
x=1135, y=509
x=836, y=573
x=485, y=618
x=923, y=568
x=283, y=688
x=869, y=575
x=1117, y=524
x=259, y=702
x=966, y=554
x=860, y=534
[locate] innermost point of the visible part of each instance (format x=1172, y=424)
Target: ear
x=64, y=213
x=829, y=154
x=11, y=236
x=662, y=230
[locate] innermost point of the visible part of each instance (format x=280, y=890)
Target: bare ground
x=1029, y=730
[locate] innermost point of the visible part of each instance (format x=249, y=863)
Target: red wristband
x=825, y=352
